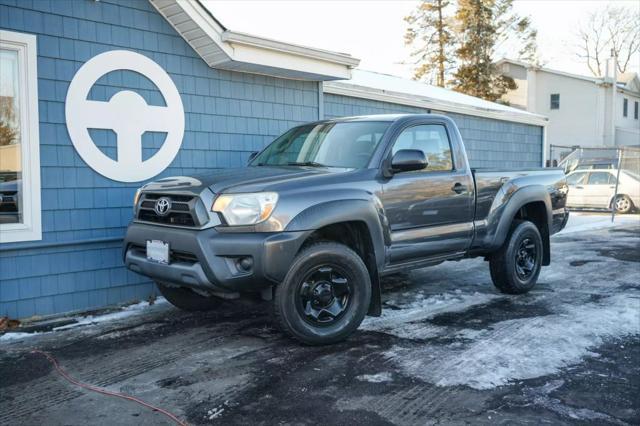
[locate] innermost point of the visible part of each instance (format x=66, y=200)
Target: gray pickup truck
x=322, y=213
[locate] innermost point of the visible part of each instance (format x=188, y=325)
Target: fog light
x=245, y=263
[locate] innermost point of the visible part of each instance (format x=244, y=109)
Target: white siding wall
x=580, y=119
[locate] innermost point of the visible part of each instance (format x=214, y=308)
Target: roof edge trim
x=225, y=49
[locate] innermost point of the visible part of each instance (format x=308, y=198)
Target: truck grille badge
x=162, y=206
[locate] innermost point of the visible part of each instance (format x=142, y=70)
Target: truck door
x=430, y=211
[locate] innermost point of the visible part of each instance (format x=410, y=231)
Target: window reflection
x=10, y=139
x=432, y=139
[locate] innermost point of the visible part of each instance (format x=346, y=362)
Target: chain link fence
x=623, y=163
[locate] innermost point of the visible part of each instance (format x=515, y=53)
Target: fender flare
x=348, y=210
x=501, y=216
x=368, y=211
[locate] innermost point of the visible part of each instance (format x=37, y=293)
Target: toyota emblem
x=163, y=205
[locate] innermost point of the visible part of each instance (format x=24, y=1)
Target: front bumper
x=208, y=259
x=560, y=219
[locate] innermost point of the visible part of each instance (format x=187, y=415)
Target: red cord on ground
x=105, y=391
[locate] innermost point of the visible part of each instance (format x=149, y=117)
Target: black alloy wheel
x=526, y=256
x=516, y=265
x=324, y=295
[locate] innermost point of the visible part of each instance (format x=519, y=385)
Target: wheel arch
x=531, y=203
x=356, y=224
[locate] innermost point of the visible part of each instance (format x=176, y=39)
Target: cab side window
x=432, y=139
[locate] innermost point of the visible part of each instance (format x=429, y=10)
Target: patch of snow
x=523, y=348
x=375, y=378
x=214, y=413
x=402, y=322
x=125, y=312
x=541, y=397
x=15, y=336
x=581, y=222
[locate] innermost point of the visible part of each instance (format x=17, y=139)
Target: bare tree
x=609, y=30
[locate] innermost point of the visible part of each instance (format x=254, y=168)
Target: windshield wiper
x=306, y=163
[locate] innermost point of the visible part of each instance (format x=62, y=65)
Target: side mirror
x=252, y=156
x=407, y=160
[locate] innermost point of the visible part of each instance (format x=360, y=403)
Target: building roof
x=222, y=48
x=389, y=88
x=628, y=81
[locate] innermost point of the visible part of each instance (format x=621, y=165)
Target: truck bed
x=490, y=181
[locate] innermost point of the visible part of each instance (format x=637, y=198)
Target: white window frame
x=31, y=227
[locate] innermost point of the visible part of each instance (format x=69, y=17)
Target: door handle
x=459, y=188
x=579, y=187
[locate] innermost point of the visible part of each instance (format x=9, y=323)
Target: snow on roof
x=389, y=88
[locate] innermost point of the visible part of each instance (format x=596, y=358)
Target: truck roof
x=381, y=117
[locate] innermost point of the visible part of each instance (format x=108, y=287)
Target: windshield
x=348, y=145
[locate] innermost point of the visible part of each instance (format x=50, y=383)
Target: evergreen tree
x=429, y=30
x=483, y=25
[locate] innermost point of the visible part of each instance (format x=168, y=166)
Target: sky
x=373, y=30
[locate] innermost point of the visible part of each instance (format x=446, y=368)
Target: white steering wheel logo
x=127, y=114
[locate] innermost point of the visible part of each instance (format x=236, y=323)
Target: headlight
x=136, y=198
x=245, y=209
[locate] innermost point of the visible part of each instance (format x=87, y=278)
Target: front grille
x=181, y=212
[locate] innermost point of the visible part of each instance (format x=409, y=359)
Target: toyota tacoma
x=318, y=217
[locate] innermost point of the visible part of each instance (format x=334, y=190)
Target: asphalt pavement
x=449, y=349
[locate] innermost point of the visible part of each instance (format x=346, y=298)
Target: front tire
x=325, y=295
x=186, y=299
x=623, y=204
x=515, y=267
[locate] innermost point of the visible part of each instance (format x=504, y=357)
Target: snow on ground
x=123, y=313
x=406, y=322
x=533, y=346
x=584, y=221
x=376, y=378
x=524, y=348
x=16, y=336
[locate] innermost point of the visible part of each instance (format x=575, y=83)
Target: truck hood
x=242, y=179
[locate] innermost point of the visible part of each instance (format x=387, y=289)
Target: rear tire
x=623, y=204
x=325, y=295
x=515, y=267
x=186, y=299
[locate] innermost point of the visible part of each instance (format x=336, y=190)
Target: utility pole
x=614, y=90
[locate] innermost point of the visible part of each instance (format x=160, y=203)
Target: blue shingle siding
x=227, y=116
x=489, y=142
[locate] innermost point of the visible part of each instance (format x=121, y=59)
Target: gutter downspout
x=614, y=89
x=320, y=100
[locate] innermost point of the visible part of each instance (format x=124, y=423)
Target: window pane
x=575, y=178
x=555, y=101
x=431, y=139
x=10, y=147
x=625, y=107
x=599, y=178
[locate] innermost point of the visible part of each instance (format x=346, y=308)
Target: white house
x=583, y=111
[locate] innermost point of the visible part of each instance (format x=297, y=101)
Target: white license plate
x=158, y=251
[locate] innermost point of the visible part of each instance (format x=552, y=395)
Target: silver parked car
x=596, y=188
